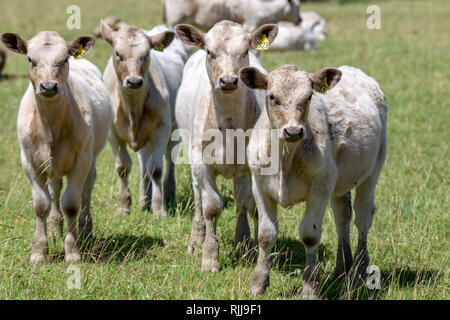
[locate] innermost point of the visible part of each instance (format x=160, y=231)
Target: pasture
x=143, y=257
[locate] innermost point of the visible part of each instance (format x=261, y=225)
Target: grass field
x=142, y=257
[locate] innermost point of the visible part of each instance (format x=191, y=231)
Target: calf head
x=48, y=59
x=227, y=46
x=131, y=53
x=289, y=93
x=292, y=11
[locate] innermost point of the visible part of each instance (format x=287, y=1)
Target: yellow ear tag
x=324, y=87
x=263, y=44
x=160, y=47
x=116, y=26
x=80, y=53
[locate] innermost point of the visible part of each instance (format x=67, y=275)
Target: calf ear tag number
x=263, y=44
x=80, y=53
x=324, y=87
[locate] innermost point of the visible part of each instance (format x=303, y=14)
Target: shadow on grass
x=6, y=77
x=350, y=288
x=289, y=258
x=291, y=255
x=116, y=248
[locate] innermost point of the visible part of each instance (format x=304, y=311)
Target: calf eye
x=66, y=60
x=210, y=54
x=31, y=61
x=272, y=97
x=118, y=56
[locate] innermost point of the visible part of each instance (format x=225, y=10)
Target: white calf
x=328, y=145
x=63, y=123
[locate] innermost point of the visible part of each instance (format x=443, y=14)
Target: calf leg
x=71, y=202
x=123, y=168
x=267, y=236
x=342, y=209
x=169, y=178
x=241, y=190
x=310, y=233
x=212, y=205
x=155, y=172
x=85, y=218
x=364, y=212
x=145, y=184
x=41, y=204
x=198, y=229
x=56, y=218
x=253, y=212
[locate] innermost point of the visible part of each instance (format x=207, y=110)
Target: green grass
x=141, y=257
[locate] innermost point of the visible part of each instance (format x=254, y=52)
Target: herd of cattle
x=330, y=129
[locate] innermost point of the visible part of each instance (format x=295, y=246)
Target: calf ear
x=161, y=40
x=262, y=37
x=106, y=32
x=190, y=36
x=325, y=79
x=80, y=46
x=253, y=78
x=14, y=43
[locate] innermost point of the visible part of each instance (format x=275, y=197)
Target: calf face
x=227, y=46
x=289, y=93
x=48, y=56
x=131, y=56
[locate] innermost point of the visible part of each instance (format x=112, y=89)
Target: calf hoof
x=123, y=211
x=72, y=257
x=37, y=258
x=309, y=292
x=361, y=265
x=260, y=281
x=160, y=213
x=210, y=266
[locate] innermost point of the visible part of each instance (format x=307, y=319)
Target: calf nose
x=135, y=83
x=228, y=83
x=294, y=133
x=49, y=88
